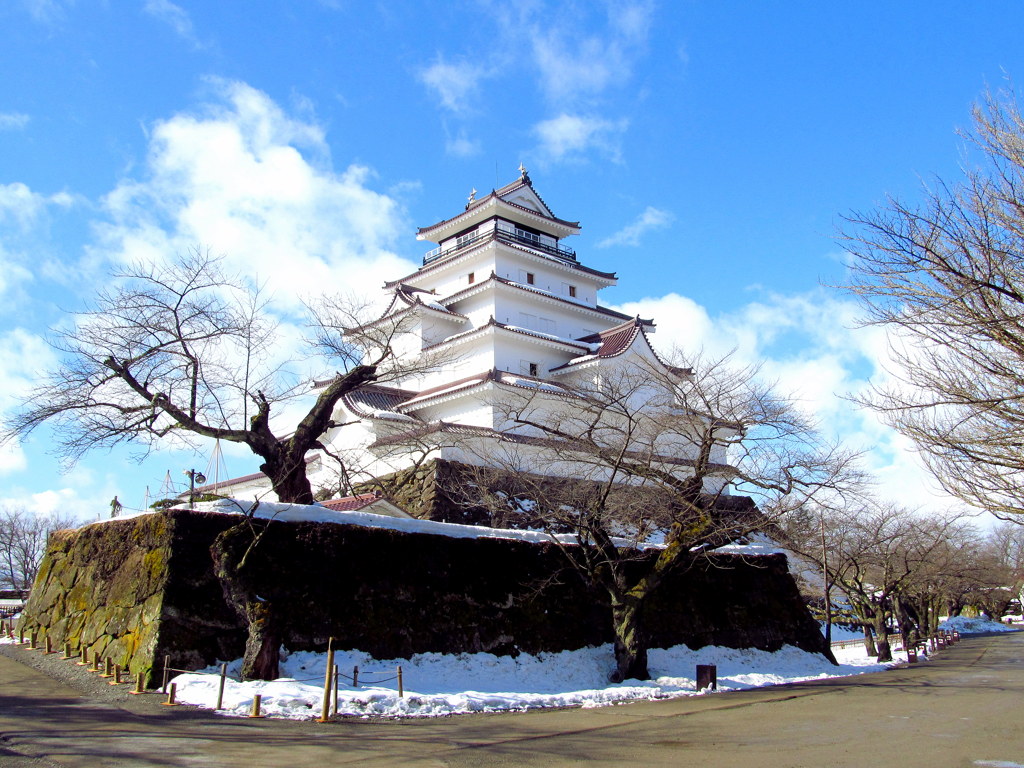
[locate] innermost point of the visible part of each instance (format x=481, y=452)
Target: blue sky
x=708, y=149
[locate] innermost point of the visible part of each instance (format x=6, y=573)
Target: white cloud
x=246, y=180
x=810, y=345
x=651, y=218
x=46, y=11
x=462, y=146
x=22, y=356
x=568, y=136
x=10, y=121
x=67, y=501
x=20, y=204
x=575, y=65
x=575, y=53
x=174, y=16
x=24, y=222
x=454, y=84
x=12, y=458
x=13, y=275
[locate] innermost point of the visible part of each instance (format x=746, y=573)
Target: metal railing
x=557, y=250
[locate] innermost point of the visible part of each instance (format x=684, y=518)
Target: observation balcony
x=528, y=239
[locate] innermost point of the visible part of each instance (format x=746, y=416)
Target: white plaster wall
x=513, y=265
x=565, y=321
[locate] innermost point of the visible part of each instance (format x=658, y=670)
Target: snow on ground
x=437, y=684
x=966, y=626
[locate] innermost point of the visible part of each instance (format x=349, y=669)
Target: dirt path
x=962, y=709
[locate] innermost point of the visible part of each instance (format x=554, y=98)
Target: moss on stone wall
x=101, y=588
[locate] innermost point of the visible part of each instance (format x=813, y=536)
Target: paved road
x=962, y=709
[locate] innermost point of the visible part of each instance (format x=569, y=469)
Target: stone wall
x=423, y=492
x=139, y=588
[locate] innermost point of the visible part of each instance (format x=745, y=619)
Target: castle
x=500, y=307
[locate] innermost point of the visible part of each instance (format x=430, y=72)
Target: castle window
x=471, y=277
x=530, y=369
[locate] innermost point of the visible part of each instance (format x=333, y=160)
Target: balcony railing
x=528, y=239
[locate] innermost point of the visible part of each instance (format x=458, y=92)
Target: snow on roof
x=371, y=502
x=351, y=503
x=373, y=399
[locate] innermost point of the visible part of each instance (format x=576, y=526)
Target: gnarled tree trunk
x=882, y=636
x=630, y=642
x=230, y=552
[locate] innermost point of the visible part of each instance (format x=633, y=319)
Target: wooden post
x=117, y=675
x=167, y=672
x=355, y=677
x=48, y=644
x=220, y=690
x=21, y=635
x=256, y=701
x=96, y=662
x=108, y=668
x=139, y=685
x=325, y=708
x=32, y=640
x=171, y=693
x=67, y=650
x=707, y=677
x=83, y=660
x=401, y=688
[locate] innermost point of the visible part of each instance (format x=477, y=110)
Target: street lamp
x=194, y=476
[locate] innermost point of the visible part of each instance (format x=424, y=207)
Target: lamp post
x=194, y=476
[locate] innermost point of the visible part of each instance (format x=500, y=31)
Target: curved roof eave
x=449, y=227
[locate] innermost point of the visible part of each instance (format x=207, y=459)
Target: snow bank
x=966, y=626
x=437, y=684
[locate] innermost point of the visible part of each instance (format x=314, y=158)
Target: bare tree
x=184, y=351
x=23, y=538
x=893, y=564
x=946, y=277
x=653, y=450
x=997, y=575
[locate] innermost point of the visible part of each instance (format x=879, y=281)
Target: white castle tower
x=504, y=306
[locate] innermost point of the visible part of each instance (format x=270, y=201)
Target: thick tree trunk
x=263, y=646
x=908, y=621
x=933, y=619
x=230, y=551
x=882, y=637
x=869, y=641
x=289, y=481
x=630, y=643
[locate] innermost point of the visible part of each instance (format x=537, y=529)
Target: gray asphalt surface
x=964, y=708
